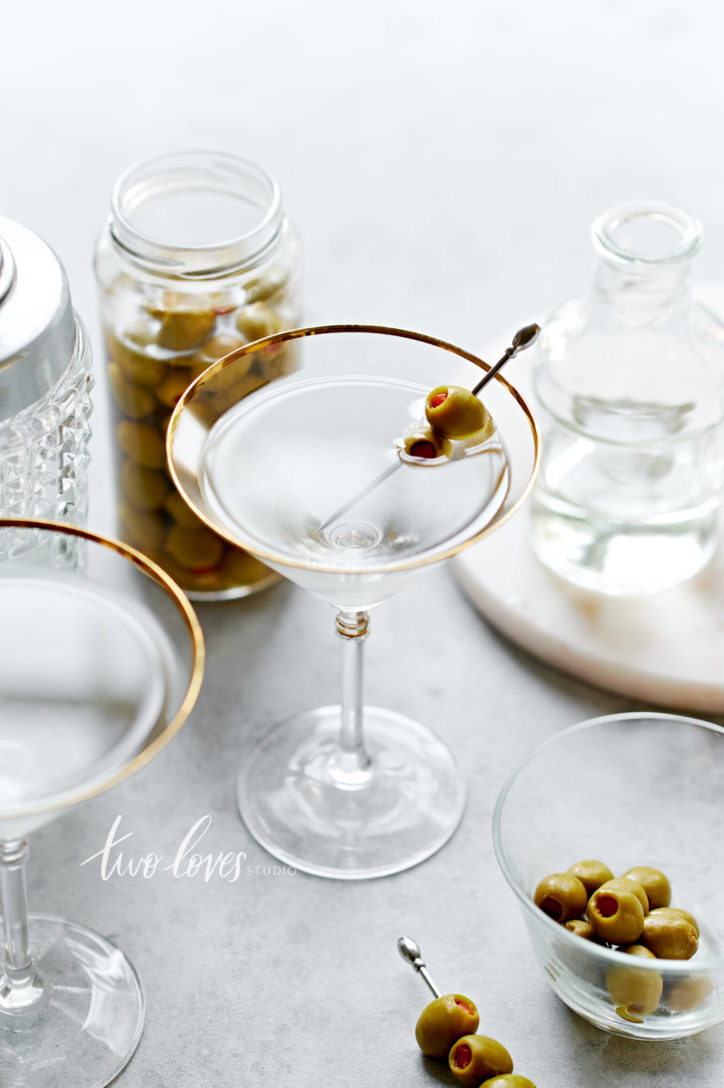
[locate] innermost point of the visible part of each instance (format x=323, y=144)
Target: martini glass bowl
x=307, y=474
x=102, y=658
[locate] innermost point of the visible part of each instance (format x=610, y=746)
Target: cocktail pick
x=522, y=340
x=410, y=952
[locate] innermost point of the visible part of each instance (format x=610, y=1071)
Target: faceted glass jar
x=630, y=388
x=197, y=259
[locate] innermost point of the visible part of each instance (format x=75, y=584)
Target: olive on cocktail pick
x=444, y=1020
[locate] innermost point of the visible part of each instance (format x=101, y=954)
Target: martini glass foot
x=307, y=807
x=87, y=1031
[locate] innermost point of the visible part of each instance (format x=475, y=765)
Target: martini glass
x=101, y=658
x=307, y=474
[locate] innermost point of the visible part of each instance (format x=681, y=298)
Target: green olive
x=508, y=1080
x=214, y=349
x=689, y=993
x=616, y=914
x=145, y=488
x=143, y=529
x=181, y=512
x=173, y=386
x=654, y=883
x=185, y=328
x=635, y=993
x=129, y=351
x=591, y=873
x=194, y=549
x=134, y=401
x=256, y=321
x=669, y=935
x=679, y=913
x=423, y=444
x=457, y=413
x=581, y=928
x=561, y=896
x=443, y=1022
x=626, y=884
x=475, y=1057
x=261, y=288
x=143, y=444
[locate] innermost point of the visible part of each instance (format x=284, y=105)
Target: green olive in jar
x=443, y=1022
x=141, y=443
x=561, y=896
x=145, y=488
x=263, y=288
x=654, y=883
x=130, y=351
x=194, y=549
x=143, y=529
x=134, y=401
x=475, y=1057
x=173, y=386
x=181, y=512
x=185, y=328
x=591, y=873
x=214, y=349
x=669, y=936
x=256, y=321
x=616, y=914
x=634, y=992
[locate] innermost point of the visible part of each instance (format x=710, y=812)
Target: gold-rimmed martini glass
x=306, y=474
x=101, y=659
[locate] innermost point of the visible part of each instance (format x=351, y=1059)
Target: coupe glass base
x=403, y=809
x=92, y=1024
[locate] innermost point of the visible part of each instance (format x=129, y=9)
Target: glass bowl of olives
x=611, y=835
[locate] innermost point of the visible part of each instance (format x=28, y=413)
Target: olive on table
x=508, y=1080
x=475, y=1057
x=455, y=412
x=616, y=913
x=561, y=896
x=592, y=873
x=635, y=993
x=654, y=883
x=669, y=935
x=443, y=1022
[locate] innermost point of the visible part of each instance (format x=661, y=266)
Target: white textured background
x=443, y=163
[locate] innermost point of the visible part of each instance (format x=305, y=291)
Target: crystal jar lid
x=37, y=328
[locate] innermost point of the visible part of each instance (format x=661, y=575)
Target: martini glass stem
x=22, y=987
x=351, y=763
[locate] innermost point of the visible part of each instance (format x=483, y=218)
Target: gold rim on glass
x=196, y=639
x=185, y=472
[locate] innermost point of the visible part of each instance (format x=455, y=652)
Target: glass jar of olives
x=196, y=259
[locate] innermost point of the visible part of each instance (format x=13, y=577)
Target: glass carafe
x=629, y=382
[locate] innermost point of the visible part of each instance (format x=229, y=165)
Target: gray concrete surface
x=443, y=164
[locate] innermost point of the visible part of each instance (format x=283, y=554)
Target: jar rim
x=620, y=234
x=188, y=171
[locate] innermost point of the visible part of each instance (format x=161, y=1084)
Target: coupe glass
x=306, y=474
x=102, y=658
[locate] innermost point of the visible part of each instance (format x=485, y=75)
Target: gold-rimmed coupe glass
x=306, y=474
x=101, y=660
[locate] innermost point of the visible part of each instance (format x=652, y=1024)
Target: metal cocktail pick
x=410, y=952
x=522, y=340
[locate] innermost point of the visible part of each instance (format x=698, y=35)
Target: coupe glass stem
x=351, y=764
x=22, y=987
